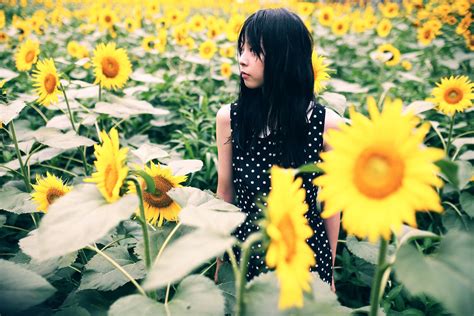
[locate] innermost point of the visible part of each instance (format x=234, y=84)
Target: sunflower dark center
x=30, y=56
x=162, y=200
x=50, y=83
x=53, y=194
x=108, y=19
x=453, y=95
x=110, y=67
x=378, y=172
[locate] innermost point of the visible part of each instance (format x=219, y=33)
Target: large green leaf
x=183, y=167
x=446, y=275
x=366, y=250
x=16, y=201
x=196, y=295
x=101, y=275
x=189, y=196
x=262, y=296
x=216, y=221
x=39, y=156
x=458, y=173
x=54, y=138
x=21, y=288
x=467, y=203
x=75, y=220
x=184, y=255
x=226, y=283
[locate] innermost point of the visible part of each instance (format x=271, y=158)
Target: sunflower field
x=108, y=161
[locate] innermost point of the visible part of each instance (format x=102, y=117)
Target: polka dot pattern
x=252, y=182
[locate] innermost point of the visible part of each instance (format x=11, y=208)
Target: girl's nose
x=242, y=60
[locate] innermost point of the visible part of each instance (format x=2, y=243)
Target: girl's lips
x=245, y=75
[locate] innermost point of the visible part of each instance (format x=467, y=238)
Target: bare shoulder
x=223, y=115
x=332, y=120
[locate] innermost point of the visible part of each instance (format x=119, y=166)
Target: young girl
x=275, y=121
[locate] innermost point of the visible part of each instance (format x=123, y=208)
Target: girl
x=275, y=120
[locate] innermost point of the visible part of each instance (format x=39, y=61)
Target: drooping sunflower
x=111, y=169
x=111, y=66
x=207, y=49
x=47, y=190
x=384, y=27
x=453, y=94
x=160, y=206
x=389, y=48
x=384, y=170
x=27, y=55
x=288, y=229
x=320, y=70
x=46, y=82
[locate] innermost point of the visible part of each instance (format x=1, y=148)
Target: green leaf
x=467, y=203
x=126, y=107
x=189, y=196
x=3, y=220
x=366, y=250
x=16, y=201
x=184, y=255
x=458, y=173
x=262, y=296
x=101, y=275
x=446, y=275
x=39, y=156
x=310, y=168
x=409, y=233
x=48, y=267
x=147, y=152
x=54, y=138
x=196, y=295
x=226, y=279
x=20, y=288
x=183, y=167
x=75, y=220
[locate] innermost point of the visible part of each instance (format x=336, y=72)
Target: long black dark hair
x=280, y=38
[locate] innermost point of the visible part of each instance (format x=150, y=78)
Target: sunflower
x=340, y=27
x=47, y=190
x=131, y=24
x=111, y=66
x=207, y=49
x=320, y=70
x=27, y=55
x=407, y=65
x=389, y=9
x=110, y=166
x=227, y=51
x=197, y=23
x=226, y=70
x=395, y=54
x=288, y=230
x=107, y=18
x=149, y=43
x=453, y=94
x=160, y=206
x=326, y=16
x=46, y=82
x=384, y=170
x=384, y=27
x=3, y=37
x=73, y=48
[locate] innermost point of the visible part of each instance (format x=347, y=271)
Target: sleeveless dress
x=251, y=181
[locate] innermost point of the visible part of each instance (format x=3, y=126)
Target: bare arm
x=225, y=186
x=333, y=223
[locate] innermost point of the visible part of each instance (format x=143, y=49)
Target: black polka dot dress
x=252, y=182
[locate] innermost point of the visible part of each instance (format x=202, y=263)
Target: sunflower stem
x=167, y=240
x=100, y=93
x=376, y=282
x=244, y=260
x=26, y=179
x=118, y=267
x=233, y=261
x=71, y=119
x=450, y=134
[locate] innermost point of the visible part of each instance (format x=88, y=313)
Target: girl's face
x=251, y=67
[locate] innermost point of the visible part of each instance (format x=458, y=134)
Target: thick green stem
x=73, y=124
x=377, y=281
x=143, y=222
x=26, y=178
x=118, y=267
x=450, y=134
x=243, y=271
x=233, y=261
